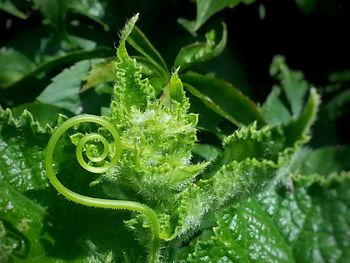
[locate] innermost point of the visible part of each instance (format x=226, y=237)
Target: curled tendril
x=90, y=152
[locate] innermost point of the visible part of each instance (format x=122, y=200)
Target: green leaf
x=306, y=223
x=208, y=152
x=44, y=114
x=323, y=161
x=272, y=143
x=274, y=110
x=13, y=9
x=252, y=160
x=64, y=90
x=25, y=118
x=100, y=73
x=33, y=78
x=310, y=224
x=266, y=143
x=207, y=8
x=92, y=9
x=293, y=84
x=301, y=126
x=200, y=52
x=23, y=225
x=35, y=55
x=139, y=41
x=177, y=92
x=223, y=98
x=131, y=90
x=56, y=13
x=21, y=162
x=247, y=234
x=14, y=66
x=230, y=183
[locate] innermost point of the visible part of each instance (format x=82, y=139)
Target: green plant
x=254, y=192
x=154, y=165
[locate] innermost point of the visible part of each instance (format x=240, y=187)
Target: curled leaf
x=201, y=51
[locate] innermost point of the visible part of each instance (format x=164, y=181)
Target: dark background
x=315, y=43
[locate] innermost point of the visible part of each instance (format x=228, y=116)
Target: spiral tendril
x=93, y=155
